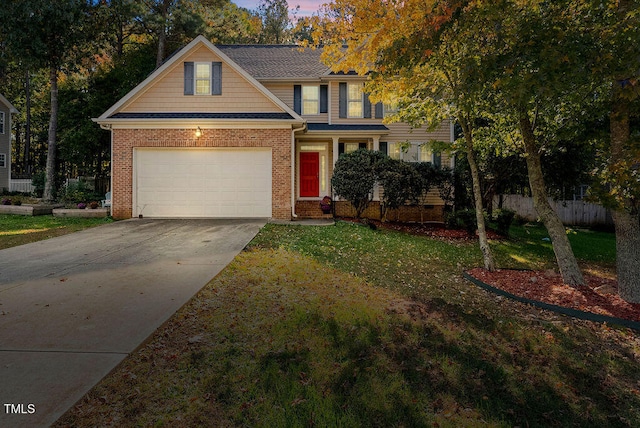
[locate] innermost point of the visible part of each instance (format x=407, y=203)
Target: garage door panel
x=203, y=182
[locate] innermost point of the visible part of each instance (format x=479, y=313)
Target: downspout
x=109, y=128
x=293, y=169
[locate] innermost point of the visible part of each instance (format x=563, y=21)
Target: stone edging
x=555, y=308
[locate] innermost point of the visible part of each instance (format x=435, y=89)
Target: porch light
x=198, y=132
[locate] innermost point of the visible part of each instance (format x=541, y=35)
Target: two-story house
x=6, y=109
x=247, y=131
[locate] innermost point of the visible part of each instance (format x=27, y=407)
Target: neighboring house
x=246, y=131
x=6, y=109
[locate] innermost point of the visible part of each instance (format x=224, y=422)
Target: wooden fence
x=572, y=213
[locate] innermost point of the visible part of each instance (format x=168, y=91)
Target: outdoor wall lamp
x=198, y=132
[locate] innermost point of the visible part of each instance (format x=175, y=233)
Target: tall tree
x=276, y=24
x=48, y=34
x=415, y=60
x=540, y=59
x=618, y=67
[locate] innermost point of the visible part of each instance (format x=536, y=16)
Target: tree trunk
x=162, y=40
x=567, y=262
x=626, y=217
x=17, y=146
x=487, y=255
x=27, y=127
x=53, y=125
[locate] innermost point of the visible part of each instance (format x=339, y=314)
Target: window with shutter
x=203, y=78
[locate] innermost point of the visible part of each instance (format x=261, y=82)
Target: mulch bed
x=599, y=296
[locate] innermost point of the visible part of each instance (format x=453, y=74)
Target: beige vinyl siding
x=284, y=91
x=400, y=132
x=166, y=94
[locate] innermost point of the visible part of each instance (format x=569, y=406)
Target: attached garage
x=202, y=182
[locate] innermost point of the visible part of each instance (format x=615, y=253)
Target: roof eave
x=205, y=123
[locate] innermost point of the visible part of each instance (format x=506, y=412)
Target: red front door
x=309, y=174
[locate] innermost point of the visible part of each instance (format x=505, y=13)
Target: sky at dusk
x=307, y=7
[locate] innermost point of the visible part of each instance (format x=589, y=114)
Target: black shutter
x=362, y=145
x=340, y=148
x=366, y=108
x=437, y=159
x=216, y=78
x=342, y=95
x=297, y=99
x=383, y=147
x=379, y=111
x=324, y=98
x=188, y=78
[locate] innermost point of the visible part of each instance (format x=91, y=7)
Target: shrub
x=38, y=181
x=466, y=219
x=354, y=176
x=401, y=183
x=6, y=201
x=94, y=205
x=74, y=193
x=504, y=218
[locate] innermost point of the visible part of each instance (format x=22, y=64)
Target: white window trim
x=354, y=100
x=407, y=156
x=195, y=78
x=3, y=160
x=302, y=101
x=389, y=109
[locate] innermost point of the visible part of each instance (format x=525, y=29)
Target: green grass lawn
x=18, y=230
x=346, y=326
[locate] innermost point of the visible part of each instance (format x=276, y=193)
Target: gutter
x=293, y=168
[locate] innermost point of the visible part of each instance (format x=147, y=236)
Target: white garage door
x=202, y=183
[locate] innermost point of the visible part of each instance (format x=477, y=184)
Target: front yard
x=348, y=326
x=18, y=230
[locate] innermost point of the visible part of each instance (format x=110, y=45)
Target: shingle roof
x=276, y=61
x=168, y=115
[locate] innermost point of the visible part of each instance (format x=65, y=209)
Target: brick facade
x=125, y=140
x=406, y=213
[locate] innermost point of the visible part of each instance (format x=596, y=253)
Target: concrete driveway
x=73, y=307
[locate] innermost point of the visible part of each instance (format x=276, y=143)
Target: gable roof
x=114, y=114
x=266, y=62
x=6, y=102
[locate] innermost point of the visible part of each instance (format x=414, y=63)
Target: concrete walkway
x=73, y=307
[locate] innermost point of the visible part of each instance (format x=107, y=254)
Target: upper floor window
x=202, y=78
x=355, y=100
x=3, y=160
x=310, y=99
x=1, y=122
x=390, y=109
